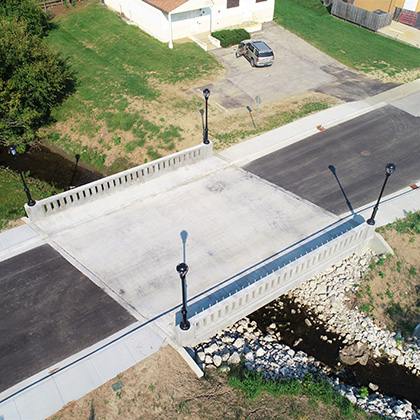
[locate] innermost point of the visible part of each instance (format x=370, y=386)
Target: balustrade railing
x=113, y=183
x=252, y=291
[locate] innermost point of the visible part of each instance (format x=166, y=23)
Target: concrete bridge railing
x=256, y=288
x=116, y=182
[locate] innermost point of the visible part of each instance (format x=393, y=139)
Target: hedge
x=228, y=37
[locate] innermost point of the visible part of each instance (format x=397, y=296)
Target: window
x=232, y=3
x=259, y=1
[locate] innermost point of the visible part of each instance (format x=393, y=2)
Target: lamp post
x=12, y=150
x=206, y=93
x=182, y=271
x=388, y=171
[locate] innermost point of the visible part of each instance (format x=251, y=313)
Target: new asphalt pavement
x=49, y=311
x=343, y=168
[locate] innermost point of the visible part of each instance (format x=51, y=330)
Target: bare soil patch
x=179, y=107
x=164, y=387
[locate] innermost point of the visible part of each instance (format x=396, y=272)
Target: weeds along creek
x=310, y=330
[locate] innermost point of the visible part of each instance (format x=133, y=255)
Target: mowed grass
x=354, y=46
x=117, y=65
x=114, y=60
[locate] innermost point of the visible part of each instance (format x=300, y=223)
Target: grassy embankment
x=13, y=197
x=390, y=292
x=354, y=46
x=118, y=106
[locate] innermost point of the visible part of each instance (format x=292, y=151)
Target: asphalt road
x=49, y=311
x=343, y=167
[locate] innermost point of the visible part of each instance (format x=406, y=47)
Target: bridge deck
x=232, y=219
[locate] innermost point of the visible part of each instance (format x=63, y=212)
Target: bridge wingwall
x=113, y=183
x=226, y=312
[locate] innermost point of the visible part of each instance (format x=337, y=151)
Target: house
x=168, y=20
x=388, y=5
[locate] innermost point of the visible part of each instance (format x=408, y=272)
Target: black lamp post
x=206, y=93
x=388, y=171
x=182, y=271
x=12, y=150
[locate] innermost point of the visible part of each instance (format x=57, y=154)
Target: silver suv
x=258, y=53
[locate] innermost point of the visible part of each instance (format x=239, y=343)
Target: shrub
x=229, y=37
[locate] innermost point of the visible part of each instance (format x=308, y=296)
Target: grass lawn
x=120, y=72
x=13, y=197
x=390, y=292
x=354, y=46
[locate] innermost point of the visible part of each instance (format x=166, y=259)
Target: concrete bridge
x=246, y=241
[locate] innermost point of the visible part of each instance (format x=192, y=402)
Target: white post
x=171, y=45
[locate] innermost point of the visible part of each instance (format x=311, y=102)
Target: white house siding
x=248, y=10
x=147, y=17
x=189, y=23
x=194, y=16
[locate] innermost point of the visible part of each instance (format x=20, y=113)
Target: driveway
x=298, y=68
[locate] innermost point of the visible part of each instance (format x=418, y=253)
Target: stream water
x=316, y=341
x=58, y=169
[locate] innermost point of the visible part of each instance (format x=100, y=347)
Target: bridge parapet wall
x=253, y=290
x=116, y=182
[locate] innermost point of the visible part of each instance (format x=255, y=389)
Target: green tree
x=28, y=11
x=33, y=80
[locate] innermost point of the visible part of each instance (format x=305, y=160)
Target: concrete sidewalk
x=402, y=33
x=130, y=244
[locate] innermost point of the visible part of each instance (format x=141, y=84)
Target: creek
x=47, y=164
x=316, y=341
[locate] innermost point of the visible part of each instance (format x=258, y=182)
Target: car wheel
x=252, y=62
x=237, y=54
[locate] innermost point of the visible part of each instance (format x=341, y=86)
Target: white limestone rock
x=234, y=359
x=217, y=360
x=238, y=343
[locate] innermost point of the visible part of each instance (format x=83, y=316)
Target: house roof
x=166, y=5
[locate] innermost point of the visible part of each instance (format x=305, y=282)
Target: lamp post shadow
x=334, y=172
x=77, y=157
x=184, y=236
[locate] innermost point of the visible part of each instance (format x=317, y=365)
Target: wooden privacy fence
x=46, y=4
x=369, y=20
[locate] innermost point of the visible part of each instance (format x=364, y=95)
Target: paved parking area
x=298, y=68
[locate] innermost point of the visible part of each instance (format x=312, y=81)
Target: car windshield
x=266, y=54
